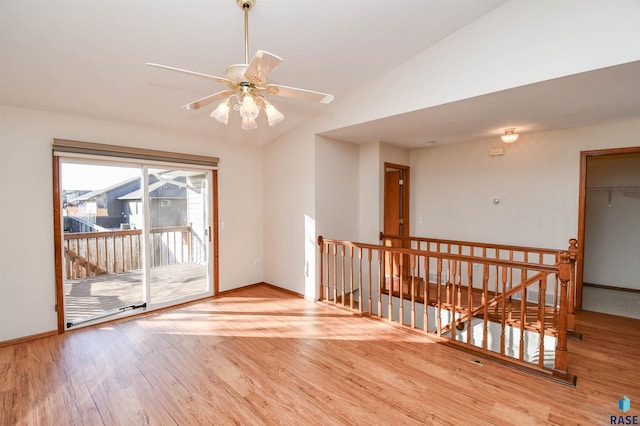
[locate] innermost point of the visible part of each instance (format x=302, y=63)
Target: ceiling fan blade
x=292, y=92
x=207, y=100
x=197, y=74
x=260, y=67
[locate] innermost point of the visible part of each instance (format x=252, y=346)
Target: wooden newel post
x=573, y=252
x=564, y=273
x=321, y=244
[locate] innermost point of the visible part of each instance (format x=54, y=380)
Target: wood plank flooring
x=261, y=356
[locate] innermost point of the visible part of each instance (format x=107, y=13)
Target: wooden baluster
x=67, y=259
x=124, y=268
x=183, y=234
x=401, y=292
x=131, y=264
x=484, y=256
x=573, y=251
x=510, y=270
x=542, y=301
x=165, y=245
x=497, y=285
x=450, y=279
x=439, y=298
x=77, y=268
x=360, y=279
x=335, y=273
x=556, y=297
x=413, y=292
x=369, y=257
x=344, y=277
x=87, y=272
x=564, y=273
x=139, y=259
x=175, y=252
x=351, y=280
x=96, y=250
x=390, y=304
x=426, y=294
x=321, y=248
x=454, y=306
x=504, y=309
x=459, y=282
x=523, y=309
x=470, y=300
x=106, y=255
x=448, y=282
x=506, y=285
x=381, y=279
x=328, y=261
x=115, y=256
x=485, y=314
x=190, y=246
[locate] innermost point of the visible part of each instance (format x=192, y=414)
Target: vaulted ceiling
x=88, y=59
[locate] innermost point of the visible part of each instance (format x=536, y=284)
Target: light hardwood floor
x=263, y=356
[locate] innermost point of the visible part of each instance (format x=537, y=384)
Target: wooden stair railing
x=539, y=255
x=75, y=261
x=508, y=309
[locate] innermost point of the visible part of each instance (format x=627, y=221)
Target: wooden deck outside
x=87, y=297
x=262, y=356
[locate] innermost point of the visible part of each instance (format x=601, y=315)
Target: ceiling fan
x=248, y=86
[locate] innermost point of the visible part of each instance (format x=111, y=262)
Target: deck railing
x=88, y=254
x=505, y=302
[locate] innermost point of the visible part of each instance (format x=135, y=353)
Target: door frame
x=582, y=193
x=406, y=205
x=392, y=262
x=59, y=232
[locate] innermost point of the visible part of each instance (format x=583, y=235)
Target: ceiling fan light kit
x=248, y=86
x=510, y=135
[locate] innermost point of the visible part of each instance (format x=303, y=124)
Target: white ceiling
x=87, y=58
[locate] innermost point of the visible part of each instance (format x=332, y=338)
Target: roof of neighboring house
x=95, y=193
x=155, y=191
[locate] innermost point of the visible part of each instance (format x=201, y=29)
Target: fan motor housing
x=235, y=73
x=246, y=4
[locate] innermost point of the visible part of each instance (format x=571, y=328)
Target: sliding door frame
x=148, y=158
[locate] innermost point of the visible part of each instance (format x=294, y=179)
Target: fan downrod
x=246, y=4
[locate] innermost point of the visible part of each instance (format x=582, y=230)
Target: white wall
x=452, y=186
x=289, y=203
x=612, y=222
x=336, y=189
x=27, y=278
x=369, y=193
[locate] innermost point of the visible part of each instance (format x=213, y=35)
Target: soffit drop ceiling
x=606, y=94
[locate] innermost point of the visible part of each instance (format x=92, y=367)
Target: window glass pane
x=178, y=234
x=102, y=242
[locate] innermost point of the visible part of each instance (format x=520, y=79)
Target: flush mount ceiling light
x=510, y=135
x=248, y=86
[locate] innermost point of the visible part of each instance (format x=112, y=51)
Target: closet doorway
x=609, y=228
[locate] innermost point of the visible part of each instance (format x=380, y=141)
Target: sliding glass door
x=178, y=233
x=135, y=236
